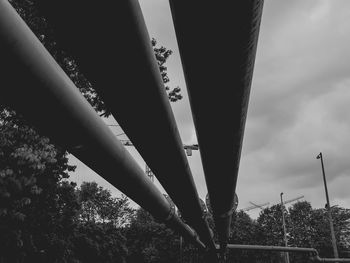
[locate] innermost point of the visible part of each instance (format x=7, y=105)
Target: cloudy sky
x=299, y=104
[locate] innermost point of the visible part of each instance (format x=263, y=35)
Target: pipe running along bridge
x=33, y=81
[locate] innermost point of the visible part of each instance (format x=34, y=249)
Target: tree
x=243, y=228
x=31, y=169
x=306, y=227
x=120, y=214
x=98, y=242
x=150, y=241
x=162, y=54
x=341, y=218
x=270, y=225
x=243, y=231
x=98, y=205
x=301, y=229
x=321, y=235
x=270, y=230
x=93, y=198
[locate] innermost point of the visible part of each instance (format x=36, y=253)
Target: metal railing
x=313, y=252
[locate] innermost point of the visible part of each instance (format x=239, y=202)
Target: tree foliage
x=305, y=226
x=98, y=205
x=243, y=231
x=162, y=54
x=321, y=234
x=150, y=241
x=31, y=171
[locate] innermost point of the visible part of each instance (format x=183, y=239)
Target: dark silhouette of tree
x=31, y=171
x=150, y=241
x=301, y=229
x=321, y=235
x=162, y=54
x=98, y=205
x=270, y=231
x=243, y=231
x=270, y=225
x=98, y=242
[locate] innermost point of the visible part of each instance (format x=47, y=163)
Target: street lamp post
x=286, y=255
x=334, y=244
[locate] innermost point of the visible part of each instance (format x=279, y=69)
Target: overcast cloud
x=298, y=107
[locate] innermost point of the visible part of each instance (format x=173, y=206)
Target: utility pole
x=334, y=244
x=286, y=255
